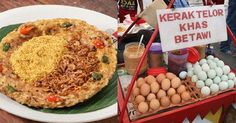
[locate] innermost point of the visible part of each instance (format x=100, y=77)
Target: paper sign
x=186, y=27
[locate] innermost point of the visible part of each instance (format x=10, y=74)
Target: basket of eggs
x=153, y=94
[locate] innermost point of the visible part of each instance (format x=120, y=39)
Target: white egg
x=224, y=78
x=231, y=75
x=213, y=65
x=190, y=73
x=223, y=85
x=211, y=74
x=234, y=81
x=210, y=57
x=202, y=61
x=215, y=60
x=214, y=88
x=183, y=74
x=197, y=63
x=209, y=61
x=205, y=91
x=230, y=83
x=219, y=71
x=205, y=67
x=194, y=78
x=220, y=63
x=197, y=69
x=217, y=80
x=209, y=82
x=200, y=84
x=202, y=75
x=189, y=65
x=190, y=69
x=226, y=69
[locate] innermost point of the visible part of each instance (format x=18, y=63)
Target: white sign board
x=192, y=26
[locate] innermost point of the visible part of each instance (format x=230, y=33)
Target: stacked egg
x=211, y=75
x=151, y=93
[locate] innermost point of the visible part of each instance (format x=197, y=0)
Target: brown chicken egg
x=171, y=92
x=154, y=104
x=140, y=81
x=170, y=75
x=151, y=96
x=165, y=84
x=161, y=93
x=165, y=101
x=135, y=91
x=181, y=89
x=175, y=99
x=185, y=96
x=155, y=87
x=150, y=79
x=145, y=89
x=160, y=77
x=143, y=107
x=175, y=82
x=139, y=99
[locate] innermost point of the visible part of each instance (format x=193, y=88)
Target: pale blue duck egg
x=205, y=91
x=224, y=78
x=202, y=61
x=220, y=63
x=194, y=78
x=214, y=88
x=219, y=71
x=231, y=76
x=223, y=85
x=209, y=82
x=210, y=57
x=200, y=84
x=230, y=83
x=211, y=73
x=183, y=74
x=205, y=67
x=226, y=69
x=217, y=80
x=202, y=75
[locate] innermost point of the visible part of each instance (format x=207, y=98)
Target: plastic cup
x=132, y=55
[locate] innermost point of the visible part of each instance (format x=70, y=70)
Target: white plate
x=32, y=13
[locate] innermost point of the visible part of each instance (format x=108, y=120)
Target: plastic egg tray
x=195, y=97
x=135, y=114
x=197, y=91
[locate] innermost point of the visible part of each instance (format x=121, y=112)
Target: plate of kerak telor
x=57, y=64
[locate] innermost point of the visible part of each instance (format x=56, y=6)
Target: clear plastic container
x=202, y=50
x=155, y=56
x=132, y=56
x=177, y=61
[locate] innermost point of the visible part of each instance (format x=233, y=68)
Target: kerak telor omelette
x=55, y=63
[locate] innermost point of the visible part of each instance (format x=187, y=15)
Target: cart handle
x=140, y=64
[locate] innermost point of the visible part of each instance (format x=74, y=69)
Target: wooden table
x=107, y=7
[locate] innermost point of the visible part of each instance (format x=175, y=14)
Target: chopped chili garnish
x=6, y=47
x=98, y=44
x=10, y=89
x=52, y=99
x=1, y=68
x=26, y=29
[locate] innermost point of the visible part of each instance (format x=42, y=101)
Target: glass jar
x=155, y=56
x=132, y=55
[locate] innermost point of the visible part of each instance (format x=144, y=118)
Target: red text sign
x=192, y=26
